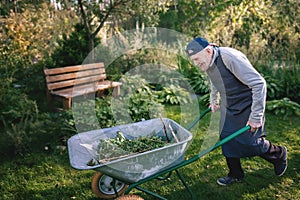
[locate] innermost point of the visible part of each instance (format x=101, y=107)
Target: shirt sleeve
x=241, y=67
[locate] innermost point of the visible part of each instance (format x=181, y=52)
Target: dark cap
x=196, y=45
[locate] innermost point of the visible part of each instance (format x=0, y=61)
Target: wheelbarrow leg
x=185, y=184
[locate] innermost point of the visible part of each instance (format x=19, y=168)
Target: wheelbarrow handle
x=233, y=135
x=223, y=141
x=198, y=118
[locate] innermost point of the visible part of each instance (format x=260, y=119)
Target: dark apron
x=236, y=101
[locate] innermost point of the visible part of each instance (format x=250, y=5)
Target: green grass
x=48, y=175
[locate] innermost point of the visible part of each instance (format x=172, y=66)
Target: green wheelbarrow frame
x=175, y=168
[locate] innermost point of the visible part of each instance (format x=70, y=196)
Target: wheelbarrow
x=117, y=177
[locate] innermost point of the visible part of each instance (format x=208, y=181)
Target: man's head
x=200, y=52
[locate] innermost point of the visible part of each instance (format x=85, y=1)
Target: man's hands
x=214, y=107
x=254, y=125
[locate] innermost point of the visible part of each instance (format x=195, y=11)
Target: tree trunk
x=91, y=48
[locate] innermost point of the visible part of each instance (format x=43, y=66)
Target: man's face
x=202, y=59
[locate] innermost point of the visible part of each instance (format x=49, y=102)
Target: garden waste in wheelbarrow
x=130, y=167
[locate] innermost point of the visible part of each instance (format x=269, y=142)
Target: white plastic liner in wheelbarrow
x=83, y=147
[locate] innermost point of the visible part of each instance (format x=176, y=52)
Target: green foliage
x=198, y=81
x=17, y=137
x=284, y=107
x=169, y=19
x=261, y=29
x=74, y=48
x=18, y=120
x=282, y=80
x=289, y=77
x=142, y=12
x=12, y=109
x=145, y=99
x=205, y=100
x=267, y=31
x=174, y=95
x=30, y=34
x=104, y=113
x=143, y=104
x=274, y=87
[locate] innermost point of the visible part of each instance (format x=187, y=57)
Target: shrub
x=18, y=118
x=17, y=137
x=13, y=109
x=174, y=95
x=282, y=80
x=138, y=100
x=284, y=107
x=274, y=88
x=198, y=80
x=73, y=49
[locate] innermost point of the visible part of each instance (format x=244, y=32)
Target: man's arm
x=241, y=67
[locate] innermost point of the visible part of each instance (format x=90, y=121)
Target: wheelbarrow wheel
x=102, y=186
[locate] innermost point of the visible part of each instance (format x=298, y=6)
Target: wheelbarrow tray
x=83, y=147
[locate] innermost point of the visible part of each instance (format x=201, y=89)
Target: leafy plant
x=18, y=130
x=138, y=100
x=205, y=100
x=282, y=79
x=73, y=48
x=174, y=95
x=274, y=88
x=12, y=109
x=29, y=33
x=198, y=81
x=144, y=105
x=289, y=77
x=284, y=107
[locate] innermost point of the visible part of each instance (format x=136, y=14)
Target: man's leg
x=277, y=155
x=236, y=173
x=235, y=168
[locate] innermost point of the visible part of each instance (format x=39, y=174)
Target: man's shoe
x=281, y=166
x=227, y=180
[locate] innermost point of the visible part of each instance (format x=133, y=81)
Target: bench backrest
x=63, y=77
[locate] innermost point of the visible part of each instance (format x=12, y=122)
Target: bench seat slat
x=76, y=68
x=79, y=74
x=85, y=89
x=63, y=84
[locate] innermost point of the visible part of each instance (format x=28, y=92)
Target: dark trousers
x=273, y=155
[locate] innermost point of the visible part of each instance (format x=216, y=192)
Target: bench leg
x=116, y=91
x=49, y=100
x=67, y=103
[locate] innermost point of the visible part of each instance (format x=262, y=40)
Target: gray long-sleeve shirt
x=241, y=68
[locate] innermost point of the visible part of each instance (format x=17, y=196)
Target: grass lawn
x=48, y=175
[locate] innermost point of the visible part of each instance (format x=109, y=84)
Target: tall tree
x=260, y=28
x=95, y=14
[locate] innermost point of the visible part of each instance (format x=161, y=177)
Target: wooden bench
x=71, y=81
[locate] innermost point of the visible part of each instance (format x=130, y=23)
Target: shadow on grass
x=259, y=182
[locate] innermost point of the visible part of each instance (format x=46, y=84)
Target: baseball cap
x=196, y=45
